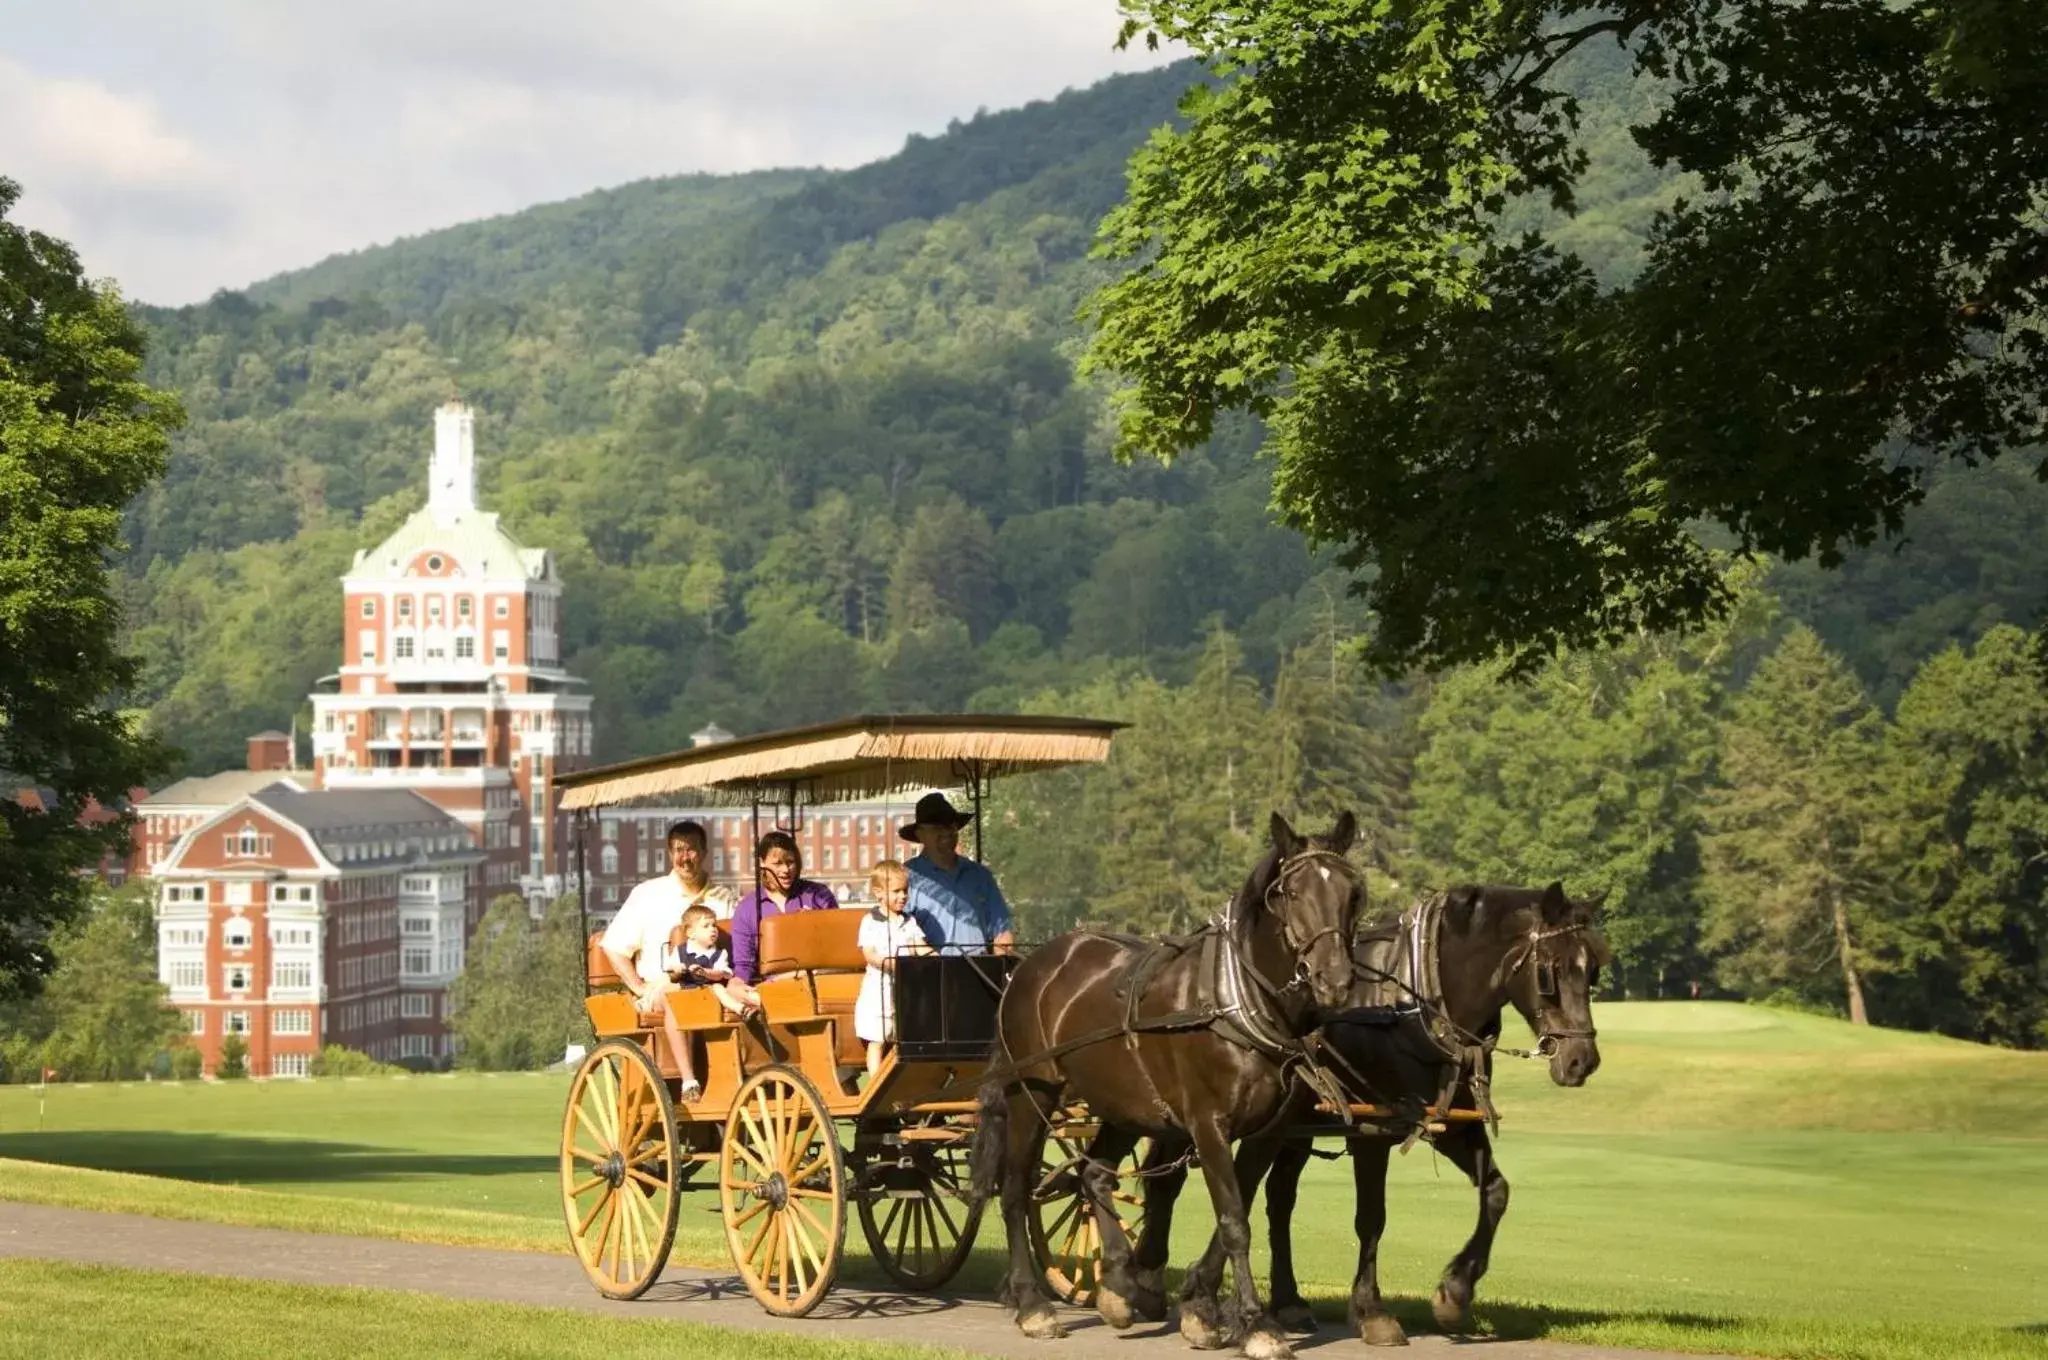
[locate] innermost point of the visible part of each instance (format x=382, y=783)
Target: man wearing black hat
x=955, y=900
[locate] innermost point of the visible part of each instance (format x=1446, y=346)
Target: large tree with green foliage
x=1796, y=905
x=80, y=436
x=1514, y=454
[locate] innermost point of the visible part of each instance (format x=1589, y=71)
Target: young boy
x=885, y=933
x=695, y=958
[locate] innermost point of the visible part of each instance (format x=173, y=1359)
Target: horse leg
x=1376, y=1326
x=1232, y=1184
x=1282, y=1184
x=1118, y=1287
x=1471, y=1152
x=1164, y=1173
x=1024, y=1133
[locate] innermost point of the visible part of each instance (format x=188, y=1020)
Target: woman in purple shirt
x=779, y=868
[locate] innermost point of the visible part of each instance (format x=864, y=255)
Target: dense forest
x=811, y=443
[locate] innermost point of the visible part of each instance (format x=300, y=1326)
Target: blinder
x=1531, y=954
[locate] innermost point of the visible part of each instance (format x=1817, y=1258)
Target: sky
x=204, y=144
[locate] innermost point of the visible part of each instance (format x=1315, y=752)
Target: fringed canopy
x=854, y=758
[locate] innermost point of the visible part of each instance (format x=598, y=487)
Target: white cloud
x=204, y=145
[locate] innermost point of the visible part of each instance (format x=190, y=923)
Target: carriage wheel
x=782, y=1187
x=918, y=1209
x=1064, y=1238
x=621, y=1169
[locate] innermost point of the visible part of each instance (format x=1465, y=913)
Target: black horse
x=1187, y=1041
x=1449, y=968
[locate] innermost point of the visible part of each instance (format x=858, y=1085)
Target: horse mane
x=1251, y=898
x=1473, y=907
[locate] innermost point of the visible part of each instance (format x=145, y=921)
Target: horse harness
x=1245, y=1008
x=1404, y=988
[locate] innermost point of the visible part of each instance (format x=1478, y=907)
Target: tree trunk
x=1852, y=984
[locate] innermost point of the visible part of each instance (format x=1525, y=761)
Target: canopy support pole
x=582, y=824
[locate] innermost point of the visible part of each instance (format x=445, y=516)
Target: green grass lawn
x=1733, y=1178
x=62, y=1311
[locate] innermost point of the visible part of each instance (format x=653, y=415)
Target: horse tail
x=991, y=1139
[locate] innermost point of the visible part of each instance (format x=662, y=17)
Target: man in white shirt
x=649, y=915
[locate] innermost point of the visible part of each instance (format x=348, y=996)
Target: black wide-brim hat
x=933, y=810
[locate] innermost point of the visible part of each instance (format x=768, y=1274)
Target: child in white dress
x=884, y=934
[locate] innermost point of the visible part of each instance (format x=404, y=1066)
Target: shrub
x=336, y=1061
x=234, y=1058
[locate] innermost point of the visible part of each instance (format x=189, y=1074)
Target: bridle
x=1529, y=952
x=1285, y=889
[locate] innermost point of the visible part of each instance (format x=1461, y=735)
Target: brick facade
x=299, y=919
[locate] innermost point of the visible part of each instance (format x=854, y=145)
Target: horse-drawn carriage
x=800, y=1138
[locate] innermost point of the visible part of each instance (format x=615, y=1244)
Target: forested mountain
x=812, y=441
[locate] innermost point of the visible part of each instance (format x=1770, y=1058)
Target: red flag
x=49, y=1072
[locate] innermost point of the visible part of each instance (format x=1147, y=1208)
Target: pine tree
x=103, y=1015
x=1789, y=848
x=1346, y=740
x=519, y=1001
x=1967, y=774
x=1588, y=773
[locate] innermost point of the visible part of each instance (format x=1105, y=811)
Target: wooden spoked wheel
x=782, y=1188
x=1065, y=1240
x=917, y=1204
x=621, y=1180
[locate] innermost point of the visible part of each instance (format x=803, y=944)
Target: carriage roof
x=870, y=756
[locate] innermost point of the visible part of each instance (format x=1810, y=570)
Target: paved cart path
x=696, y=1295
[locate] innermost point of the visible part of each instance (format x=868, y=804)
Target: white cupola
x=451, y=477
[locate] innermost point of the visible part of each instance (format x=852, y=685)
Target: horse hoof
x=1382, y=1329
x=1041, y=1323
x=1453, y=1314
x=1199, y=1332
x=1115, y=1309
x=1296, y=1317
x=1263, y=1343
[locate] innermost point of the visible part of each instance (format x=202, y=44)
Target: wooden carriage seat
x=822, y=950
x=611, y=1010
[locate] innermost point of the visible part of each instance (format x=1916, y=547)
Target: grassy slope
x=1726, y=1163
x=63, y=1311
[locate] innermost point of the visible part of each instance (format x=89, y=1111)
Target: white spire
x=451, y=477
